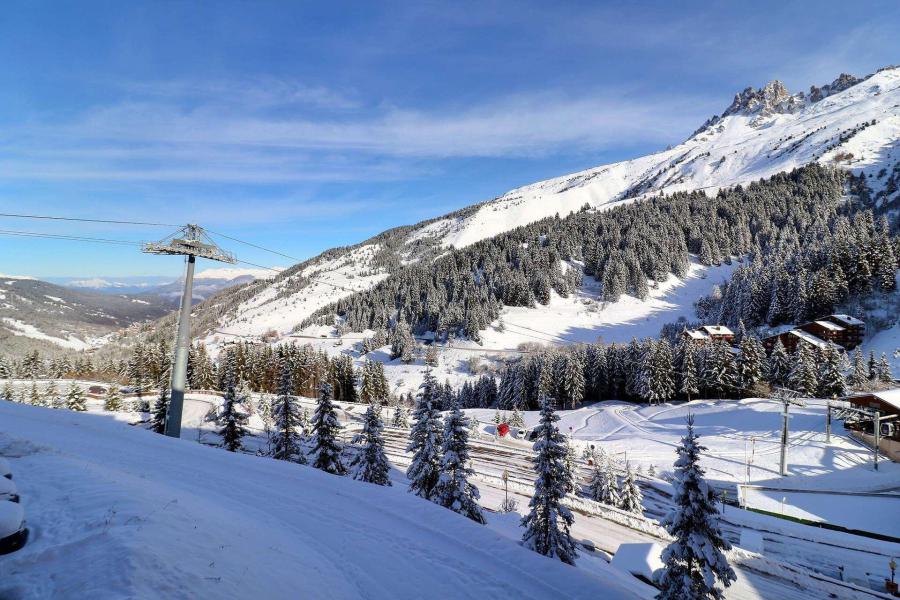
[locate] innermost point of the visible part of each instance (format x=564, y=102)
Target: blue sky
x=302, y=125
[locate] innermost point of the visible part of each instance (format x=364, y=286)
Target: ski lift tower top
x=191, y=242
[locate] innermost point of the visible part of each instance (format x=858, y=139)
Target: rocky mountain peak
x=773, y=98
x=843, y=81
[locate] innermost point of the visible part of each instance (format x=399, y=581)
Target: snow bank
x=122, y=512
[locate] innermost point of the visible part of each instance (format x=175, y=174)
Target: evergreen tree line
x=623, y=248
x=806, y=275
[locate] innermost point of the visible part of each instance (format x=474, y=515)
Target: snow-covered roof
x=829, y=325
x=847, y=319
x=717, y=330
x=891, y=397
x=808, y=337
x=696, y=334
x=638, y=559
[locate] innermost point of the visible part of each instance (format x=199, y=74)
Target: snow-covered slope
x=119, y=512
x=852, y=123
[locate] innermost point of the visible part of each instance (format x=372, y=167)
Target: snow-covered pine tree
x=232, y=419
x=432, y=356
x=425, y=441
x=161, y=406
x=804, y=377
x=51, y=395
x=547, y=523
x=113, y=400
x=453, y=489
x=371, y=464
x=831, y=376
x=689, y=378
x=719, y=373
x=632, y=499
x=779, y=365
x=609, y=489
x=570, y=465
x=594, y=487
x=400, y=417
x=859, y=376
x=516, y=419
x=694, y=561
x=573, y=378
x=34, y=395
x=326, y=447
x=750, y=364
x=286, y=417
x=75, y=399
x=8, y=392
x=883, y=370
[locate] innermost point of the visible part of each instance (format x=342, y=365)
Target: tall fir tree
x=75, y=399
x=859, y=377
x=51, y=395
x=453, y=489
x=750, y=363
x=804, y=376
x=632, y=499
x=831, y=377
x=8, y=392
x=371, y=464
x=604, y=485
x=694, y=561
x=161, y=406
x=425, y=441
x=883, y=370
x=689, y=379
x=113, y=399
x=34, y=395
x=779, y=365
x=547, y=523
x=327, y=449
x=400, y=418
x=286, y=417
x=232, y=419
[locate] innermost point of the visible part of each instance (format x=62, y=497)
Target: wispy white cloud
x=162, y=137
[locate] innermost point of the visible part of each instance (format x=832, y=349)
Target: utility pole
x=876, y=420
x=788, y=397
x=784, y=438
x=193, y=242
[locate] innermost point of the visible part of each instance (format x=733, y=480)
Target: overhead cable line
x=74, y=238
x=252, y=245
x=53, y=218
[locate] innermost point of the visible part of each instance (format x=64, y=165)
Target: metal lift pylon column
x=192, y=243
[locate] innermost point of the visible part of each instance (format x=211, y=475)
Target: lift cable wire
x=53, y=218
x=252, y=245
x=74, y=238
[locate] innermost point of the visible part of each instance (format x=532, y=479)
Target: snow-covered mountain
x=852, y=122
x=35, y=314
x=164, y=291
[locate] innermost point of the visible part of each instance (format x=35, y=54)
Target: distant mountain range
x=161, y=289
x=77, y=313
